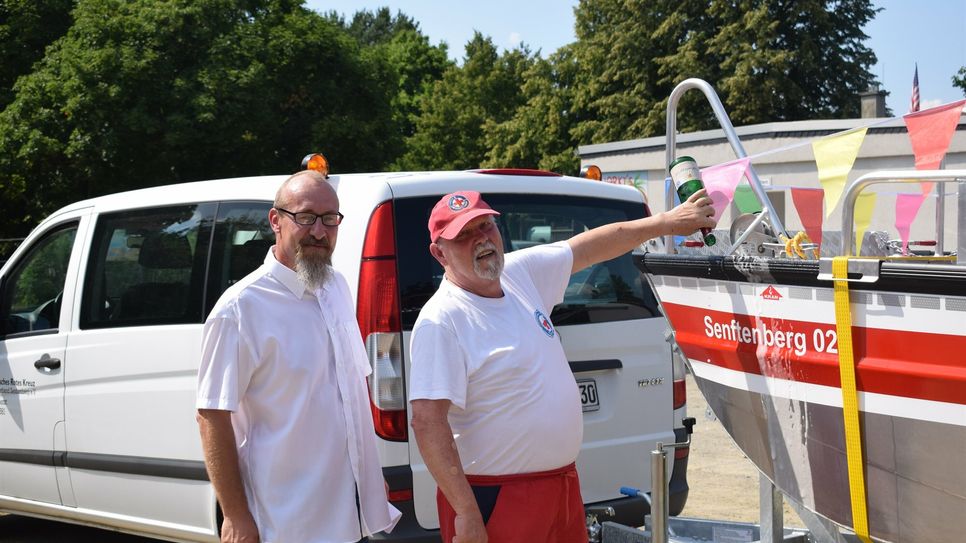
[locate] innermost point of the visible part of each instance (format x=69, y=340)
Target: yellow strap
x=850, y=400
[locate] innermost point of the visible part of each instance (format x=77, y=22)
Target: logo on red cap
x=453, y=211
x=458, y=202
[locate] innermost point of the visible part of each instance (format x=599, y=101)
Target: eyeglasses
x=305, y=218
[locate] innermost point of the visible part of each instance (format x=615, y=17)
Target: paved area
x=17, y=529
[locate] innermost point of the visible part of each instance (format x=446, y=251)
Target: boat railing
x=939, y=177
x=722, y=116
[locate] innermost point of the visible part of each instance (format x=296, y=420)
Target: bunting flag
x=808, y=203
x=931, y=132
x=721, y=181
x=746, y=201
x=864, y=206
x=907, y=207
x=834, y=157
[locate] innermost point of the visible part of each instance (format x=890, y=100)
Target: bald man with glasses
x=282, y=401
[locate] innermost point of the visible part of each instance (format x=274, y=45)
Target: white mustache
x=484, y=247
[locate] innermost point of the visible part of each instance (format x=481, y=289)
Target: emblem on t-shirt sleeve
x=544, y=323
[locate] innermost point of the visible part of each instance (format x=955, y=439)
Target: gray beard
x=490, y=271
x=313, y=269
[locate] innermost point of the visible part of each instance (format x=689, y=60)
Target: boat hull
x=765, y=355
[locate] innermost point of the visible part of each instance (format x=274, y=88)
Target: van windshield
x=609, y=291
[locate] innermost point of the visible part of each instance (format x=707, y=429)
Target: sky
x=931, y=33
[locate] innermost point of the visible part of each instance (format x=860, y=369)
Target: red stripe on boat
x=898, y=363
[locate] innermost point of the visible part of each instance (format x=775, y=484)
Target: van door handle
x=47, y=363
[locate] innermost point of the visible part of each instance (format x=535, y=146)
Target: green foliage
x=27, y=27
x=450, y=128
x=538, y=133
x=144, y=92
x=959, y=80
x=107, y=95
x=380, y=26
x=770, y=60
x=397, y=43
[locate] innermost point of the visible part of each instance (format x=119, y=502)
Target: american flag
x=914, y=105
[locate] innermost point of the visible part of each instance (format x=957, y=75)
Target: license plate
x=589, y=400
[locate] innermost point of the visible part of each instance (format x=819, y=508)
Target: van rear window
x=609, y=291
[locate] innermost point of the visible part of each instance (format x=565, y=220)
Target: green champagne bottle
x=687, y=181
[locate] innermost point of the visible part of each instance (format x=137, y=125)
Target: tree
x=378, y=27
x=538, y=135
x=959, y=80
x=450, y=127
x=397, y=43
x=27, y=27
x=770, y=60
x=617, y=84
x=141, y=93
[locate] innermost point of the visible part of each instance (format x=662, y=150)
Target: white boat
x=766, y=342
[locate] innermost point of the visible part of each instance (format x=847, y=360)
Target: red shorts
x=525, y=508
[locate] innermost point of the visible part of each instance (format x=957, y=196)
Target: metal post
x=659, y=506
x=961, y=221
x=770, y=511
x=940, y=218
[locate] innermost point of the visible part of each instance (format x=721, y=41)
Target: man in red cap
x=496, y=411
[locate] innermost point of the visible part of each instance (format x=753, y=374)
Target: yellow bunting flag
x=834, y=157
x=864, y=206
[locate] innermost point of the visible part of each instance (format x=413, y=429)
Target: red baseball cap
x=453, y=211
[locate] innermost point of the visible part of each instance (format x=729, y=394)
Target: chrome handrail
x=896, y=176
x=729, y=130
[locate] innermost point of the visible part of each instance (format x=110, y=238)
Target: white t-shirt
x=290, y=366
x=516, y=408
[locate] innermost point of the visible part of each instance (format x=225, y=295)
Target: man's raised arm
x=612, y=240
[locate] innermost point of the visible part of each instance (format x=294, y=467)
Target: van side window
x=147, y=266
x=32, y=294
x=240, y=242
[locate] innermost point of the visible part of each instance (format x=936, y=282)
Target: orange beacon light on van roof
x=316, y=162
x=591, y=172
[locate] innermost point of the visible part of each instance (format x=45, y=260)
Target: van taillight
x=678, y=375
x=378, y=314
x=680, y=393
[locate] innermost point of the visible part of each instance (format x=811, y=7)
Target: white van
x=101, y=310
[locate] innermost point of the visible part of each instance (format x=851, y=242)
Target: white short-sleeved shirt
x=290, y=366
x=516, y=408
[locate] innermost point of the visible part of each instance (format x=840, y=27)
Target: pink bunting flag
x=721, y=180
x=808, y=203
x=931, y=132
x=907, y=207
